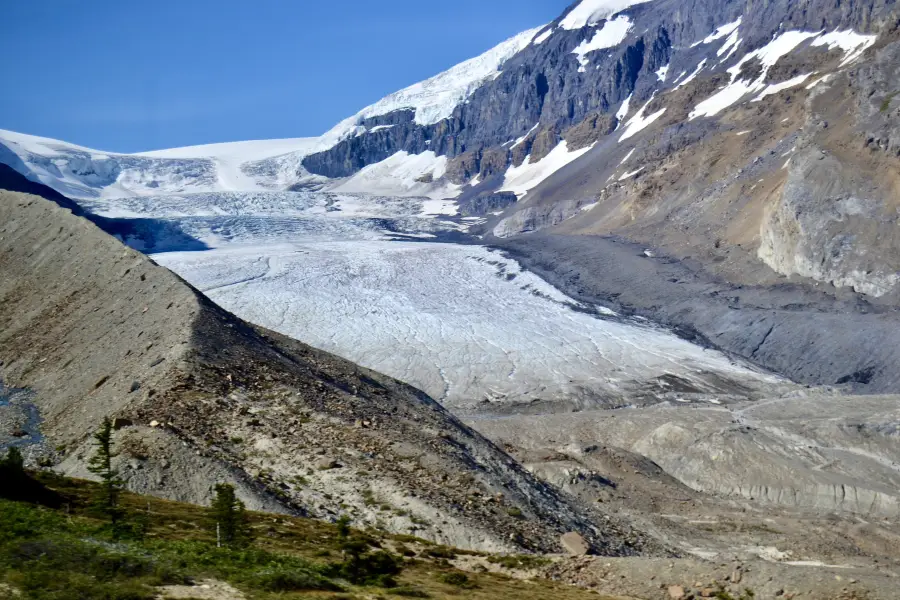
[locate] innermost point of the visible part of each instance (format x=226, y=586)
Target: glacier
x=373, y=279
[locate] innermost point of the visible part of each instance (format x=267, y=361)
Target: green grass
x=519, y=561
x=66, y=553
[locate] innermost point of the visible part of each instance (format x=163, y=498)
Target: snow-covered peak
x=591, y=12
x=435, y=99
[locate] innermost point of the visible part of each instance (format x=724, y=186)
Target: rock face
x=82, y=317
x=546, y=83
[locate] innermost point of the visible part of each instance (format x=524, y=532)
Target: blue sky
x=132, y=75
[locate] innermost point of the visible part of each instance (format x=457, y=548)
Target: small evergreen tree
x=14, y=463
x=111, y=483
x=229, y=518
x=343, y=528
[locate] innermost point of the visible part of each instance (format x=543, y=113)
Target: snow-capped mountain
x=504, y=121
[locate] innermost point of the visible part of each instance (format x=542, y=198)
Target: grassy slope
x=64, y=553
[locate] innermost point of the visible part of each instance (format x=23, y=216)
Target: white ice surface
x=240, y=152
x=591, y=12
x=435, y=99
x=461, y=322
x=610, y=35
x=464, y=324
x=528, y=175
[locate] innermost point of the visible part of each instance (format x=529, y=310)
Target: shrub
x=522, y=561
x=441, y=552
x=292, y=580
x=457, y=579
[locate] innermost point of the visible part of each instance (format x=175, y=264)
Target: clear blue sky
x=131, y=75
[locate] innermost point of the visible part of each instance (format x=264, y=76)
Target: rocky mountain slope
x=93, y=328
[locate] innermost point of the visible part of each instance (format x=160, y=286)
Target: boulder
x=574, y=544
x=676, y=592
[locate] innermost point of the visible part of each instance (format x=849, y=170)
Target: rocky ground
x=779, y=327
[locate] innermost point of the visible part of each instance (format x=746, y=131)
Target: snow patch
x=729, y=47
x=630, y=174
x=528, y=176
x=853, y=44
x=639, y=122
x=780, y=87
x=662, y=73
x=623, y=110
x=692, y=76
x=824, y=79
x=723, y=31
x=520, y=140
x=612, y=34
x=591, y=12
x=768, y=55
